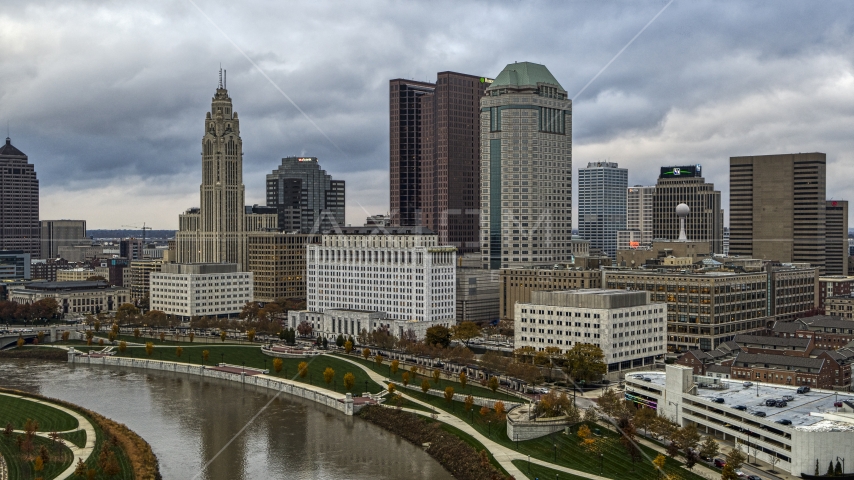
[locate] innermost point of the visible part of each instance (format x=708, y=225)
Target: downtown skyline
x=108, y=115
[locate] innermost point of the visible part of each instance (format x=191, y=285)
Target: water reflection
x=188, y=420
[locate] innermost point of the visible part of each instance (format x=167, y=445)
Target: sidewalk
x=503, y=455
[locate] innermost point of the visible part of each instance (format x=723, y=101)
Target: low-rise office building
x=704, y=310
x=793, y=290
x=808, y=429
x=630, y=330
x=277, y=262
x=841, y=306
x=80, y=298
x=517, y=284
x=829, y=332
x=477, y=295
x=188, y=290
x=75, y=274
x=14, y=265
x=136, y=277
x=833, y=286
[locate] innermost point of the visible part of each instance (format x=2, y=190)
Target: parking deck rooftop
x=798, y=411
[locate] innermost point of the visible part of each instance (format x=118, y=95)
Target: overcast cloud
x=108, y=98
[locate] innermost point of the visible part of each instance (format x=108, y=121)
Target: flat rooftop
x=797, y=411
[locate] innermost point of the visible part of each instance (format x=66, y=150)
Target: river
x=189, y=421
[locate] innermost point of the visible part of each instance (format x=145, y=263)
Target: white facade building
x=630, y=330
x=200, y=289
x=400, y=272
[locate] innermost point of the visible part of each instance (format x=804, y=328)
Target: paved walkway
x=503, y=455
x=82, y=424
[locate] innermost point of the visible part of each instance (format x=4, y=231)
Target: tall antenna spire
x=220, y=75
x=225, y=79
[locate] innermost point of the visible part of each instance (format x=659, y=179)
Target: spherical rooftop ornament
x=682, y=210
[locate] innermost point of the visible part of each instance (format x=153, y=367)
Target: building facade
x=833, y=286
x=79, y=274
x=15, y=265
x=628, y=327
x=793, y=291
x=19, y=202
x=435, y=156
x=704, y=310
x=686, y=185
x=45, y=269
x=777, y=207
x=836, y=246
x=402, y=272
x=841, y=306
x=517, y=284
x=526, y=169
x=602, y=189
x=277, y=263
x=137, y=277
x=61, y=233
x=216, y=231
x=197, y=290
x=75, y=298
x=306, y=198
x=477, y=295
x=640, y=202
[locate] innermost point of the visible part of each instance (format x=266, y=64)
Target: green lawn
x=472, y=388
x=252, y=357
x=183, y=340
x=474, y=443
x=617, y=463
x=77, y=438
x=18, y=410
x=534, y=471
x=21, y=469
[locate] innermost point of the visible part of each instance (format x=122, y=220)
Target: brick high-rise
x=19, y=202
x=435, y=156
x=777, y=207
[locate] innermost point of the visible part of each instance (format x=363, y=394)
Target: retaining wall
x=524, y=429
x=460, y=397
x=342, y=403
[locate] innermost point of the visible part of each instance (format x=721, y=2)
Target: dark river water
x=189, y=422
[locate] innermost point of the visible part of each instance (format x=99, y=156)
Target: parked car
x=754, y=477
x=803, y=389
x=783, y=421
x=770, y=402
x=760, y=414
x=740, y=407
x=718, y=400
x=747, y=384
x=781, y=403
x=647, y=379
x=720, y=463
x=788, y=398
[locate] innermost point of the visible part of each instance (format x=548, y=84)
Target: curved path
x=82, y=424
x=503, y=455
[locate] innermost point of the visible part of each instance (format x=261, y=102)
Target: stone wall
x=342, y=403
x=461, y=397
x=521, y=429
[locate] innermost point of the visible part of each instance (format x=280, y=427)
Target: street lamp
x=601, y=461
x=221, y=356
x=843, y=464
x=555, y=448
x=265, y=364
x=366, y=385
x=489, y=427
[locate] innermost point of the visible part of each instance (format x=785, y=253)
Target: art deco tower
x=216, y=232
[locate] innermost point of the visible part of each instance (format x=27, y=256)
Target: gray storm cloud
x=108, y=99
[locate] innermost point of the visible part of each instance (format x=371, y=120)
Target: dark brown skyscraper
x=435, y=156
x=19, y=202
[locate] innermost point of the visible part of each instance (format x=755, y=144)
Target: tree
x=463, y=379
x=709, y=448
x=222, y=335
x=465, y=331
x=123, y=345
x=394, y=366
x=449, y=394
x=304, y=329
x=775, y=460
x=38, y=465
x=80, y=468
x=610, y=402
x=643, y=419
x=250, y=334
x=493, y=384
x=136, y=333
x=100, y=342
x=391, y=388
x=366, y=352
x=484, y=411
x=500, y=410
x=348, y=347
x=425, y=386
x=20, y=342
x=277, y=364
x=438, y=335
x=149, y=348
x=65, y=335
x=585, y=361
x=413, y=370
x=111, y=466
x=97, y=325
x=405, y=378
x=687, y=438
x=250, y=311
x=829, y=469
x=325, y=343
x=838, y=470
x=590, y=415
x=328, y=375
x=378, y=359
x=436, y=375
x=126, y=311
x=112, y=336
x=205, y=355
x=469, y=402
x=178, y=352
x=162, y=337
x=302, y=368
x=734, y=460
x=349, y=381
x=339, y=340
x=191, y=336
x=659, y=463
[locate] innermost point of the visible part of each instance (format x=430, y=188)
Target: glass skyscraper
x=602, y=204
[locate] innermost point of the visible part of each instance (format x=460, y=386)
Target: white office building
x=401, y=273
x=630, y=330
x=200, y=289
x=602, y=204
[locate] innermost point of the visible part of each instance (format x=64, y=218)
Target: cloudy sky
x=108, y=97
